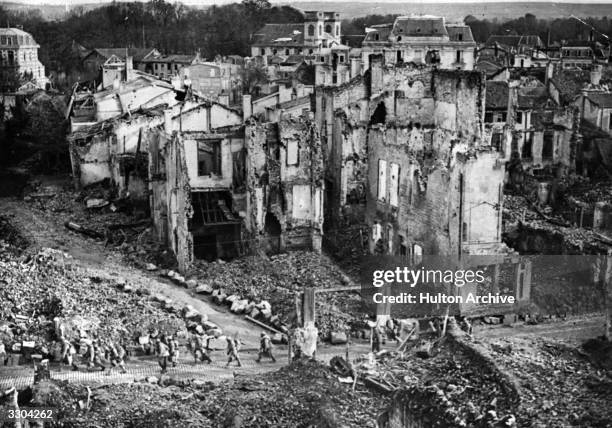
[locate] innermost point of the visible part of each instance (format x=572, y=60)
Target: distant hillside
x=48, y=11
x=452, y=11
x=458, y=11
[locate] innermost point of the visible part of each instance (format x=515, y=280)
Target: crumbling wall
x=91, y=159
x=285, y=184
x=178, y=203
x=436, y=193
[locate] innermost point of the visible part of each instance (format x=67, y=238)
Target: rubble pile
x=52, y=290
x=559, y=386
x=99, y=214
x=278, y=278
x=303, y=394
x=533, y=230
x=12, y=237
x=462, y=387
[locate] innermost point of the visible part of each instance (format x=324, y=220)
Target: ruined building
x=405, y=155
x=196, y=170
x=285, y=184
x=421, y=39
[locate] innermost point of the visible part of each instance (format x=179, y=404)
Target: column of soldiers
x=94, y=351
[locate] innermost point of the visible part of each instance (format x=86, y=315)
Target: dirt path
x=573, y=330
x=46, y=229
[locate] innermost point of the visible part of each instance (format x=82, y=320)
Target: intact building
x=422, y=40
x=319, y=31
x=19, y=59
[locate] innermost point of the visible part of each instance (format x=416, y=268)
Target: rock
x=150, y=267
x=189, y=312
x=209, y=325
x=204, y=289
x=179, y=279
x=215, y=332
x=254, y=313
x=199, y=329
x=191, y=284
x=491, y=320
x=152, y=379
x=120, y=281
x=232, y=298
x=171, y=274
x=128, y=288
x=338, y=338
x=239, y=306
x=158, y=298
x=96, y=203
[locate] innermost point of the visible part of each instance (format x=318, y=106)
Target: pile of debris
x=459, y=381
x=97, y=213
x=41, y=291
x=303, y=394
x=446, y=381
x=277, y=280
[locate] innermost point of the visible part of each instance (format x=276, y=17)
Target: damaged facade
x=285, y=184
x=196, y=182
x=405, y=155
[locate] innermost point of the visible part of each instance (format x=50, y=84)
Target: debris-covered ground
x=277, y=279
x=301, y=395
x=37, y=287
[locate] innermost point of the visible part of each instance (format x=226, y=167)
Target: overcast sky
x=207, y=2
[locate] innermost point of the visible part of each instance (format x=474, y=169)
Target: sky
x=207, y=2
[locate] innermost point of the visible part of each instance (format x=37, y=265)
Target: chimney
x=168, y=121
x=224, y=99
x=247, y=107
x=596, y=75
x=376, y=74
x=129, y=68
x=355, y=67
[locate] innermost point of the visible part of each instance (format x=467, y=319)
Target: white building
x=421, y=39
x=19, y=58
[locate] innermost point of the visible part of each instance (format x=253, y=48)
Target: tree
x=252, y=76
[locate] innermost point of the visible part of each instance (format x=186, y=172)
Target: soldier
x=163, y=353
x=97, y=355
x=68, y=352
x=233, y=346
x=173, y=349
x=265, y=348
x=200, y=351
x=116, y=356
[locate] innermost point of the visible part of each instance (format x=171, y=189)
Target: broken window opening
x=496, y=141
x=527, y=149
x=273, y=231
x=311, y=30
x=209, y=158
x=547, y=148
x=380, y=114
x=400, y=57
x=432, y=57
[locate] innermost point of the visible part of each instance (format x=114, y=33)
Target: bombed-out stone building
x=285, y=184
x=196, y=173
x=405, y=156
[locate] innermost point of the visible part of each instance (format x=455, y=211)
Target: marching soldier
x=265, y=348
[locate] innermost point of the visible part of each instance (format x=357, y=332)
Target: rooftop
x=497, y=94
x=515, y=41
x=15, y=36
x=138, y=54
x=279, y=35
x=602, y=99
